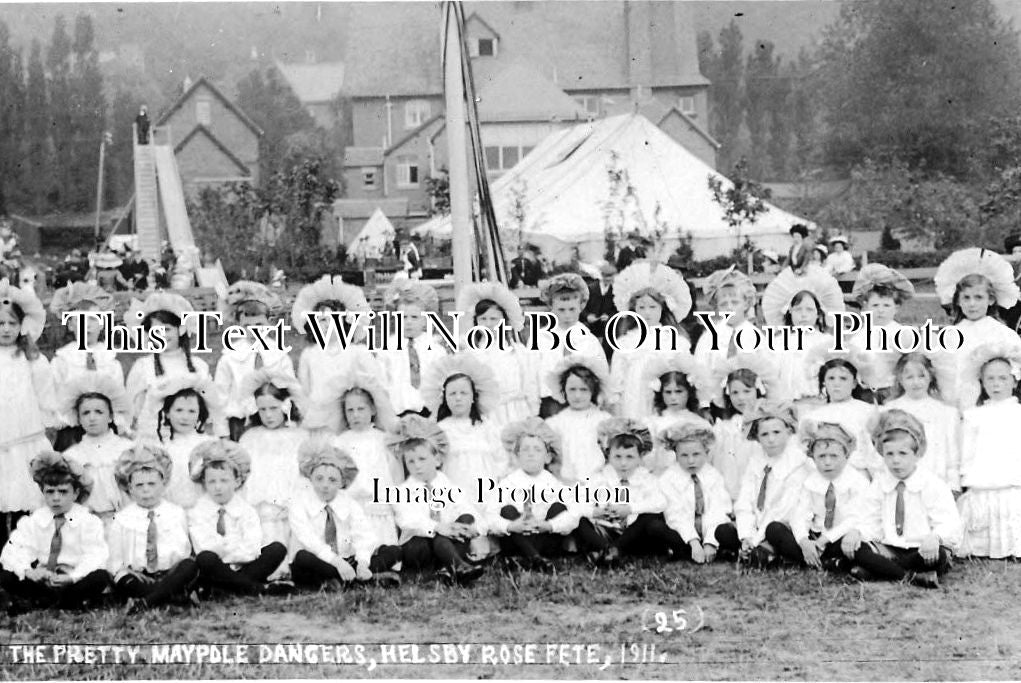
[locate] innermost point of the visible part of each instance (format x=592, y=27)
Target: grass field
x=785, y=624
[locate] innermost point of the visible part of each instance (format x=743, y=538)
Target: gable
x=204, y=87
x=201, y=153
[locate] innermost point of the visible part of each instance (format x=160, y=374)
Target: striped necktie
x=330, y=532
x=414, y=364
x=831, y=506
x=699, y=504
x=221, y=521
x=57, y=543
x=151, y=549
x=760, y=503
x=898, y=513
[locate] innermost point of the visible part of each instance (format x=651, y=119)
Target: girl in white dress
x=186, y=407
x=881, y=291
x=90, y=401
x=808, y=300
x=970, y=283
x=272, y=439
x=578, y=381
x=738, y=386
x=162, y=313
x=990, y=467
x=27, y=404
x=676, y=386
x=365, y=418
x=840, y=376
x=326, y=358
x=496, y=308
x=70, y=362
x=658, y=296
x=916, y=390
x=727, y=290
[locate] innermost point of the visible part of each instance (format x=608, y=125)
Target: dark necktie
x=57, y=543
x=258, y=360
x=330, y=532
x=761, y=502
x=699, y=504
x=732, y=344
x=831, y=506
x=898, y=512
x=434, y=515
x=414, y=364
x=90, y=360
x=527, y=507
x=221, y=521
x=151, y=551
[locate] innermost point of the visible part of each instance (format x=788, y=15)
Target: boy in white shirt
x=437, y=532
x=632, y=522
x=56, y=556
x=828, y=499
x=566, y=294
x=406, y=367
x=225, y=529
x=698, y=503
x=534, y=529
x=909, y=524
x=150, y=552
x=247, y=304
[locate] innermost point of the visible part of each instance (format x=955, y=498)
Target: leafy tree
x=724, y=69
x=743, y=201
x=87, y=116
x=36, y=180
x=761, y=75
x=58, y=63
x=438, y=190
x=801, y=108
x=907, y=79
x=11, y=115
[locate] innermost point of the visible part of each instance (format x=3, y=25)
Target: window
x=202, y=112
x=416, y=112
x=369, y=177
x=590, y=103
x=504, y=158
x=686, y=103
x=407, y=172
x=487, y=47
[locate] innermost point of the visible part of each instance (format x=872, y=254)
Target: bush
x=909, y=259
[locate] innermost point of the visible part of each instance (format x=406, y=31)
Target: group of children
x=256, y=479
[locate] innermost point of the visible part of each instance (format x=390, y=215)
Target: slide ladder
x=147, y=219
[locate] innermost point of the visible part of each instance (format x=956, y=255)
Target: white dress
x=318, y=368
x=628, y=389
x=582, y=456
x=376, y=466
x=26, y=409
x=659, y=459
x=942, y=424
x=976, y=333
x=794, y=380
x=182, y=490
x=732, y=452
x=883, y=362
x=274, y=479
x=517, y=370
x=711, y=360
x=143, y=374
x=991, y=473
x=98, y=455
x=475, y=453
x=854, y=416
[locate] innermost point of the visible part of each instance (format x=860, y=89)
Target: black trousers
x=546, y=544
x=549, y=407
x=648, y=535
x=308, y=570
x=235, y=427
x=890, y=562
x=8, y=523
x=782, y=539
x=682, y=550
x=424, y=553
x=247, y=579
x=727, y=539
x=72, y=596
x=159, y=588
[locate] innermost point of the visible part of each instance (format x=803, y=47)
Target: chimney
x=638, y=36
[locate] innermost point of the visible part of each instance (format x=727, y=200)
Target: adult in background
x=801, y=247
x=134, y=270
x=600, y=307
x=632, y=250
x=770, y=262
x=412, y=260
x=142, y=125
x=839, y=260
x=1012, y=250
x=526, y=271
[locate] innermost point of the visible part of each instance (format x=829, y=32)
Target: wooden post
x=460, y=199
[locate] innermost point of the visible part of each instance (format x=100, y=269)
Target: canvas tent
x=563, y=190
x=372, y=239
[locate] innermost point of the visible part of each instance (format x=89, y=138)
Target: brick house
x=213, y=140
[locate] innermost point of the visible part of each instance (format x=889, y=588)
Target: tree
x=908, y=79
x=802, y=112
x=761, y=75
x=743, y=201
x=724, y=70
x=11, y=115
x=437, y=188
x=36, y=182
x=58, y=63
x=88, y=115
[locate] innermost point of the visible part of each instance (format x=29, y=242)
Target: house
x=213, y=140
x=317, y=86
x=537, y=67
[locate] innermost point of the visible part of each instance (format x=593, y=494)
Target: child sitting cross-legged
x=826, y=503
x=335, y=543
x=533, y=529
x=150, y=553
x=698, y=503
x=434, y=533
x=632, y=522
x=225, y=528
x=908, y=525
x=56, y=555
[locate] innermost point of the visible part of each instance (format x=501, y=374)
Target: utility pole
x=107, y=139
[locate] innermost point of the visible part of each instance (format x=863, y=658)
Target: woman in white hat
x=839, y=260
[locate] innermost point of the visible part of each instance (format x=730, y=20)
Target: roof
x=363, y=208
x=579, y=45
x=73, y=220
x=658, y=111
x=372, y=239
x=314, y=83
x=202, y=81
x=520, y=92
x=440, y=116
x=202, y=130
x=363, y=156
x=474, y=17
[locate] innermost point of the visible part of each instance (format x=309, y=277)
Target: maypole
x=460, y=201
